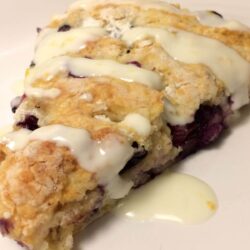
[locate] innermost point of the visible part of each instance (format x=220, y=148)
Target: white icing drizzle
x=16, y=140
x=55, y=43
x=42, y=72
x=145, y=4
x=191, y=48
x=51, y=43
x=84, y=67
x=106, y=158
x=208, y=18
x=138, y=123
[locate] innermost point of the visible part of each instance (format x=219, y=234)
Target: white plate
x=225, y=167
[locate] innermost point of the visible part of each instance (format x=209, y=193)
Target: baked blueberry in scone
x=117, y=91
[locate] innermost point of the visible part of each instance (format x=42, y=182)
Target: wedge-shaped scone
x=116, y=92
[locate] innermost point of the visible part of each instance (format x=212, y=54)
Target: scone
x=117, y=91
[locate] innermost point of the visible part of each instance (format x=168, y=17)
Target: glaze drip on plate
x=173, y=197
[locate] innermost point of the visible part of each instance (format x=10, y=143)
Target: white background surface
x=225, y=167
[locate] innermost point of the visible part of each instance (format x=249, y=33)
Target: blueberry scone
x=117, y=91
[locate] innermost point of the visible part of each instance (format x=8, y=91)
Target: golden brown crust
x=35, y=182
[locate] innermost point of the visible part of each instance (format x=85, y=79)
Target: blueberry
x=216, y=13
x=137, y=64
x=30, y=122
x=64, y=28
x=211, y=134
x=135, y=144
x=74, y=76
x=16, y=102
x=5, y=226
x=38, y=29
x=32, y=64
x=206, y=128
